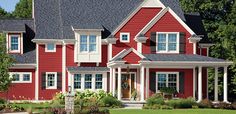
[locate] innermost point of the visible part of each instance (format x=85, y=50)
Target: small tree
x=5, y=62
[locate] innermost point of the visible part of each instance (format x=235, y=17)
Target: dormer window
x=50, y=47
x=125, y=37
x=14, y=43
x=88, y=43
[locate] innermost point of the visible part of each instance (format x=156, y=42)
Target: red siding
x=167, y=24
x=188, y=80
x=49, y=62
x=18, y=91
x=134, y=25
x=132, y=58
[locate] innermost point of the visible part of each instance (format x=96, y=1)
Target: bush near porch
x=157, y=102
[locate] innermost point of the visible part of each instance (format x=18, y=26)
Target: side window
x=14, y=43
x=51, y=80
x=21, y=77
x=125, y=37
x=50, y=47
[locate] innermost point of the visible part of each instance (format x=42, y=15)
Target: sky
x=8, y=5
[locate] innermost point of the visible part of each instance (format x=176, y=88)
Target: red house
x=113, y=45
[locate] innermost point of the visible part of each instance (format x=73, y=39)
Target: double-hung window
x=168, y=42
x=98, y=83
x=88, y=81
x=14, y=43
x=88, y=43
x=51, y=80
x=167, y=79
x=77, y=81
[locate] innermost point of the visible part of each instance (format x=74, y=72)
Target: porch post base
x=227, y=102
x=216, y=102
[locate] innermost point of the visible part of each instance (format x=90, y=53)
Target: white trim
x=19, y=43
x=36, y=74
x=128, y=37
x=43, y=41
x=199, y=84
x=109, y=52
x=153, y=4
x=167, y=41
x=167, y=73
x=110, y=78
x=63, y=68
x=161, y=14
x=54, y=49
x=21, y=76
x=93, y=81
x=145, y=3
x=142, y=81
x=139, y=47
x=55, y=80
x=131, y=50
x=120, y=53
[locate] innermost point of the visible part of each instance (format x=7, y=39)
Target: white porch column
x=114, y=82
x=110, y=80
x=119, y=84
x=199, y=84
x=216, y=85
x=147, y=82
x=225, y=85
x=142, y=83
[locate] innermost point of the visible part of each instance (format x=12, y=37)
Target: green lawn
x=177, y=111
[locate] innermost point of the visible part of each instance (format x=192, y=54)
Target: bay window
x=88, y=43
x=168, y=42
x=167, y=79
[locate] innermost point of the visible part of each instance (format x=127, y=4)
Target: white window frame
x=19, y=44
x=167, y=42
x=21, y=77
x=89, y=81
x=46, y=47
x=55, y=79
x=167, y=81
x=77, y=81
x=88, y=43
x=104, y=81
x=98, y=81
x=128, y=37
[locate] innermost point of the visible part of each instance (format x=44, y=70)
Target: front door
x=125, y=86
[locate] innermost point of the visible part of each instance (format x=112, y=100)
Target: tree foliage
x=219, y=18
x=5, y=62
x=23, y=9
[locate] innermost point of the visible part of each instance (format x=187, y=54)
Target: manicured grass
x=175, y=111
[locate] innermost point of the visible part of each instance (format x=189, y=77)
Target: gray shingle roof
x=54, y=19
x=71, y=69
x=15, y=24
x=29, y=57
x=181, y=57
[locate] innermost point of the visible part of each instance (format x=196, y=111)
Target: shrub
x=154, y=107
x=155, y=99
x=205, y=103
x=59, y=98
x=223, y=105
x=181, y=103
x=2, y=101
x=110, y=101
x=168, y=90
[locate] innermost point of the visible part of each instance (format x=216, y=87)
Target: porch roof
x=182, y=57
x=78, y=68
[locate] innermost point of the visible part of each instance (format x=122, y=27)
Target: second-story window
x=88, y=43
x=50, y=47
x=167, y=42
x=124, y=37
x=14, y=43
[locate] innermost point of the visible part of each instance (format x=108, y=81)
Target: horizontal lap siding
x=132, y=58
x=49, y=62
x=167, y=24
x=134, y=25
x=188, y=81
x=21, y=91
